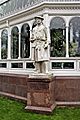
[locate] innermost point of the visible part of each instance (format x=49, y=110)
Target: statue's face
x=38, y=21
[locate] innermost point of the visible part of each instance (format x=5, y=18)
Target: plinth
x=40, y=95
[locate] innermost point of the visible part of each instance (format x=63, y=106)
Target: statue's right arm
x=32, y=37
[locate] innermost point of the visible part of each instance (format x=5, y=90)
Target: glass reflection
x=15, y=43
x=25, y=43
x=4, y=44
x=57, y=33
x=74, y=37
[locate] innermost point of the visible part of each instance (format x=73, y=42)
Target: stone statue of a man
x=39, y=45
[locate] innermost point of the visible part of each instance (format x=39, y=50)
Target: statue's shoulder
x=35, y=28
x=42, y=27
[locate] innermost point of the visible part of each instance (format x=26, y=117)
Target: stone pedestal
x=40, y=95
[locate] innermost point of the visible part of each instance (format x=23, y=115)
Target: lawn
x=13, y=110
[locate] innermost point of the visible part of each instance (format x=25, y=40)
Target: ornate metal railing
x=10, y=6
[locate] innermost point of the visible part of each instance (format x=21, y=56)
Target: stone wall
x=67, y=90
x=14, y=85
x=60, y=90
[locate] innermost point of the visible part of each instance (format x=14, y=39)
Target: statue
x=39, y=46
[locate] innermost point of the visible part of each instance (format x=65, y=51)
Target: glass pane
x=16, y=65
x=1, y=11
x=4, y=44
x=62, y=65
x=68, y=65
x=25, y=42
x=58, y=42
x=3, y=65
x=15, y=43
x=56, y=65
x=57, y=23
x=74, y=37
x=12, y=5
x=19, y=4
x=30, y=65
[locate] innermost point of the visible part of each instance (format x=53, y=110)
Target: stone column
x=30, y=38
x=19, y=45
x=67, y=42
x=40, y=94
x=71, y=33
x=46, y=23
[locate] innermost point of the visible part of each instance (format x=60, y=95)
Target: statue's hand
x=45, y=46
x=31, y=40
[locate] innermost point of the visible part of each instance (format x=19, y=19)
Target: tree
x=58, y=44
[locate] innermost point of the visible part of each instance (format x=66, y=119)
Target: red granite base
x=40, y=94
x=67, y=89
x=41, y=109
x=14, y=86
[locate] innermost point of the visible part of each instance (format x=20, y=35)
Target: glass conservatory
x=62, y=20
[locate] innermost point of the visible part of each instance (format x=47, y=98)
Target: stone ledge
x=67, y=77
x=13, y=75
x=41, y=109
x=68, y=103
x=13, y=96
x=41, y=77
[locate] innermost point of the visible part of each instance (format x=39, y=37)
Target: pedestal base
x=41, y=109
x=41, y=76
x=40, y=95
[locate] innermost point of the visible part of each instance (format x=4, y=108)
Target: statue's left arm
x=46, y=42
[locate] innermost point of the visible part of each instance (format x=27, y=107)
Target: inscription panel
x=37, y=86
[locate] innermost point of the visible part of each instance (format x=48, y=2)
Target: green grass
x=13, y=110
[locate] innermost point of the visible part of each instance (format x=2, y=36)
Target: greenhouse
x=62, y=21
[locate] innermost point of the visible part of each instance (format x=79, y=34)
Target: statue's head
x=39, y=19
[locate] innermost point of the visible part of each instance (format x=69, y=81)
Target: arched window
x=14, y=43
x=74, y=37
x=25, y=41
x=4, y=44
x=57, y=33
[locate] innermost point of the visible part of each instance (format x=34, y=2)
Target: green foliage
x=73, y=49
x=58, y=44
x=14, y=45
x=12, y=110
x=3, y=53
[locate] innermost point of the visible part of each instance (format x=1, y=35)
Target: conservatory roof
x=8, y=7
